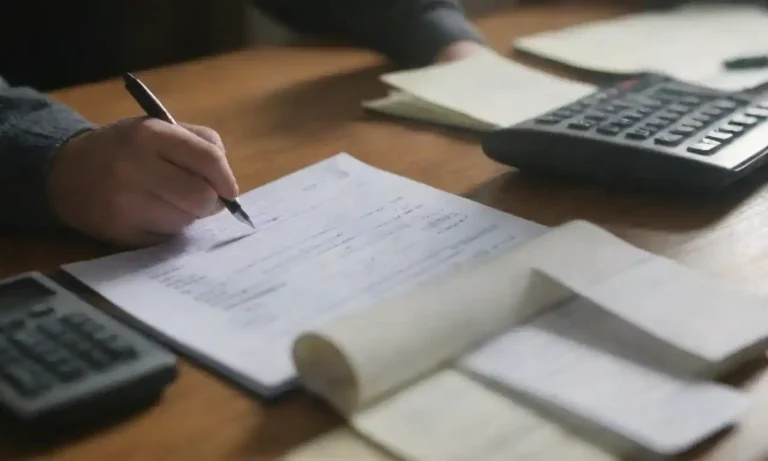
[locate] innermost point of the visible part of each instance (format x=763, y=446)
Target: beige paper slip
x=549, y=341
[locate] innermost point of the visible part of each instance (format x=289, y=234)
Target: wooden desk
x=281, y=109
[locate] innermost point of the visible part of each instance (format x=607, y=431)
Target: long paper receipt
x=331, y=238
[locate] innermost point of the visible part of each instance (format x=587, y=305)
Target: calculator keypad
x=663, y=113
x=45, y=349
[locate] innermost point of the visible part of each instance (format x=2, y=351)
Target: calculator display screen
x=23, y=292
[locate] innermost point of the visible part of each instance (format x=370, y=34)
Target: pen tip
x=244, y=218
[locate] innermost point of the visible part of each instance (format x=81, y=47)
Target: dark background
x=50, y=44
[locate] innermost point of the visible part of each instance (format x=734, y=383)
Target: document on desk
x=690, y=42
x=331, y=238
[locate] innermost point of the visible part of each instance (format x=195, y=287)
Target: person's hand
x=139, y=181
x=460, y=50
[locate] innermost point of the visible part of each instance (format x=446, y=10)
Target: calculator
x=63, y=362
x=649, y=130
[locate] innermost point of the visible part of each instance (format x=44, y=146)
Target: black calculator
x=650, y=130
x=64, y=362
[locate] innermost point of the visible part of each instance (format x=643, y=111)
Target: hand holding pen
x=135, y=181
x=153, y=108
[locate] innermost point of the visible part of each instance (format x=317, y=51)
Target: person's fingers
x=180, y=188
x=187, y=150
x=153, y=215
x=459, y=50
x=206, y=133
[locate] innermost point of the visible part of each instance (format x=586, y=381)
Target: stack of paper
x=690, y=42
x=574, y=345
x=482, y=92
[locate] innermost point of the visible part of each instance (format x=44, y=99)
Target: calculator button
x=702, y=119
x=678, y=109
x=11, y=324
x=564, y=113
x=621, y=105
x=668, y=116
x=595, y=117
x=744, y=120
x=581, y=125
x=645, y=111
x=735, y=129
x=624, y=122
x=52, y=329
x=117, y=347
x=639, y=134
x=69, y=340
x=719, y=136
x=664, y=98
x=691, y=101
x=652, y=103
x=581, y=105
x=633, y=115
x=725, y=104
x=76, y=319
x=67, y=370
x=694, y=124
x=41, y=310
x=96, y=358
x=756, y=112
x=91, y=327
x=713, y=112
x=609, y=129
x=25, y=339
x=685, y=130
x=669, y=139
x=613, y=108
x=657, y=124
x=44, y=349
x=24, y=380
x=704, y=147
x=548, y=120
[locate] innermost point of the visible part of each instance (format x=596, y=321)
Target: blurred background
x=53, y=44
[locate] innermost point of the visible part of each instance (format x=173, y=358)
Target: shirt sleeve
x=32, y=127
x=409, y=32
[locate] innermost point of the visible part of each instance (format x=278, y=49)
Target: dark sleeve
x=32, y=127
x=409, y=32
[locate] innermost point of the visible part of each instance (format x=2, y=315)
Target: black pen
x=152, y=106
x=747, y=62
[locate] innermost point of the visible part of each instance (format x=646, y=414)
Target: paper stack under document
x=481, y=93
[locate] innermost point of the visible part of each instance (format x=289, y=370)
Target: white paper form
x=333, y=237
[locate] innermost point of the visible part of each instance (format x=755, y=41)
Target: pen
x=152, y=106
x=747, y=62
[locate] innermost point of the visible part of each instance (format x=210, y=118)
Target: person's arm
x=412, y=33
x=32, y=127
